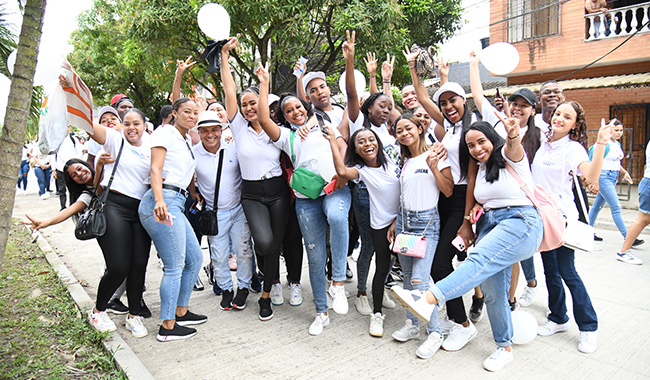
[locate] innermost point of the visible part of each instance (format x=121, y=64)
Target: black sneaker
x=191, y=319
x=116, y=306
x=144, y=310
x=266, y=312
x=597, y=238
x=476, y=311
x=348, y=272
x=390, y=281
x=637, y=242
x=198, y=285
x=239, y=302
x=216, y=289
x=396, y=271
x=209, y=273
x=177, y=333
x=256, y=282
x=226, y=300
x=513, y=304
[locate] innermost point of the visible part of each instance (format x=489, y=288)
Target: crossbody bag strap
x=579, y=191
x=523, y=185
x=292, y=136
x=215, y=204
x=104, y=195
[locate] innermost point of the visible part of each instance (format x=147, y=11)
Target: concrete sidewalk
x=235, y=344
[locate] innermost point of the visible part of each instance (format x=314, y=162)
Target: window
x=528, y=19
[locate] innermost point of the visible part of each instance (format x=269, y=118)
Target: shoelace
x=497, y=353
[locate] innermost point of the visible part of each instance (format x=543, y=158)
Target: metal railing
x=618, y=22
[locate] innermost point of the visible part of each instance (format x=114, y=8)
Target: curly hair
x=579, y=131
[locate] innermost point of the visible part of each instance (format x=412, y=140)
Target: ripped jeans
x=233, y=229
x=313, y=216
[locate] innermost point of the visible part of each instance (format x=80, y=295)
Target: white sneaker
x=321, y=321
x=588, y=342
x=387, y=302
x=339, y=300
x=276, y=294
x=414, y=301
x=446, y=325
x=45, y=195
x=430, y=346
x=459, y=336
x=136, y=326
x=526, y=298
x=362, y=305
x=549, y=328
x=101, y=321
x=499, y=358
x=296, y=295
x=407, y=332
x=628, y=257
x=376, y=325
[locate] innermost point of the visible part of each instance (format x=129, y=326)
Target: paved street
x=235, y=344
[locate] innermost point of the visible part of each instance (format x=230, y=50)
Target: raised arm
x=227, y=80
x=300, y=87
x=342, y=170
x=443, y=70
x=181, y=66
x=591, y=169
x=386, y=77
x=350, y=85
x=263, y=114
x=371, y=66
x=475, y=80
x=513, y=148
x=421, y=92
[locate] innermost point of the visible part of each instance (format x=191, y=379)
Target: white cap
x=449, y=87
x=311, y=76
x=209, y=119
x=273, y=98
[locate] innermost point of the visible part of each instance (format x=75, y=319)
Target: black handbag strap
x=215, y=205
x=104, y=194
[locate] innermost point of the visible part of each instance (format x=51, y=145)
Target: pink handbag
x=409, y=244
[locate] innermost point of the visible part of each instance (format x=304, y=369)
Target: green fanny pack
x=304, y=180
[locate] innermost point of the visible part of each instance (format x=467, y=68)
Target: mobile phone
x=330, y=187
x=324, y=130
x=168, y=221
x=497, y=94
x=478, y=215
x=196, y=207
x=459, y=243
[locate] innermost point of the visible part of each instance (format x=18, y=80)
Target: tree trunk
x=13, y=132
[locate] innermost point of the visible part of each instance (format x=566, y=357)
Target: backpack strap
x=292, y=136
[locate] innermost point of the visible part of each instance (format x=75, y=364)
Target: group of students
x=434, y=172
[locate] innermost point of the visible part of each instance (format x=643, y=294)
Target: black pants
x=451, y=211
x=382, y=265
x=126, y=246
x=266, y=204
x=292, y=248
x=60, y=188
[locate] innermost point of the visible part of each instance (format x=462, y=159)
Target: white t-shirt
x=420, y=191
x=391, y=147
x=94, y=148
x=551, y=169
x=451, y=141
x=307, y=153
x=505, y=191
x=612, y=160
x=70, y=148
x=206, y=176
x=257, y=154
x=178, y=169
x=335, y=115
x=540, y=123
x=383, y=188
x=133, y=168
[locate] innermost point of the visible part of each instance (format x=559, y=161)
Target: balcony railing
x=618, y=22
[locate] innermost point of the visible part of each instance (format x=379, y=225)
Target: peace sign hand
x=348, y=45
x=511, y=123
x=387, y=68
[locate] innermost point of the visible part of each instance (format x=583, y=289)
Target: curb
x=124, y=357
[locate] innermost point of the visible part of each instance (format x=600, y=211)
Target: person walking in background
x=43, y=171
x=24, y=168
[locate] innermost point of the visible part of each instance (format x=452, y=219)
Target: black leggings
x=125, y=245
x=266, y=204
x=292, y=248
x=382, y=265
x=452, y=211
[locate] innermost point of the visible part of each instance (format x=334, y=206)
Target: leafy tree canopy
x=131, y=47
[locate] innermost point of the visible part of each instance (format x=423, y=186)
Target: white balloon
x=48, y=66
x=500, y=58
x=214, y=21
x=524, y=327
x=359, y=81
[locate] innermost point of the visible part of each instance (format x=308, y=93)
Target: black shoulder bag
x=92, y=223
x=208, y=218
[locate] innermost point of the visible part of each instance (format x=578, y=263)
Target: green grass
x=42, y=333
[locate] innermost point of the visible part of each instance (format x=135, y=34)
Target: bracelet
x=411, y=67
x=468, y=218
x=513, y=137
x=601, y=143
x=387, y=81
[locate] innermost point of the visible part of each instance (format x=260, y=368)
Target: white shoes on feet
x=136, y=326
x=276, y=294
x=414, y=301
x=296, y=295
x=101, y=321
x=499, y=358
x=429, y=347
x=527, y=296
x=459, y=336
x=628, y=258
x=387, y=302
x=319, y=323
x=407, y=332
x=339, y=299
x=362, y=305
x=376, y=325
x=549, y=328
x=588, y=342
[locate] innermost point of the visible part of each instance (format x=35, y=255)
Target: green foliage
x=131, y=47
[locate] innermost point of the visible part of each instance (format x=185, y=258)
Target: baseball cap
x=311, y=76
x=209, y=119
x=449, y=87
x=273, y=98
x=117, y=97
x=108, y=109
x=525, y=93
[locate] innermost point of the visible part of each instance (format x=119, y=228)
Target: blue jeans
x=528, y=267
x=644, y=195
x=559, y=266
x=361, y=207
x=607, y=193
x=233, y=229
x=22, y=174
x=414, y=268
x=43, y=176
x=177, y=247
x=313, y=217
x=505, y=236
